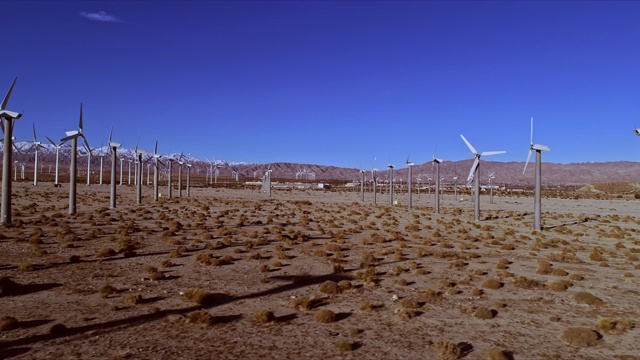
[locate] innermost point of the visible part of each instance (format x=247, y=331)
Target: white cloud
x=99, y=16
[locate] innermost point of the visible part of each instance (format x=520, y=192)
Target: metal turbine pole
x=476, y=203
x=139, y=180
x=170, y=165
x=101, y=158
x=89, y=166
x=188, y=180
x=121, y=172
x=390, y=186
x=409, y=186
x=35, y=169
x=155, y=179
x=437, y=206
x=537, y=222
x=362, y=185
x=114, y=158
x=179, y=179
x=6, y=171
x=73, y=176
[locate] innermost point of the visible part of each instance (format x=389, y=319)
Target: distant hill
x=575, y=174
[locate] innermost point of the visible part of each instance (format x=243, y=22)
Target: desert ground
x=233, y=274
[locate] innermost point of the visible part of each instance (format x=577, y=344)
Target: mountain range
x=510, y=173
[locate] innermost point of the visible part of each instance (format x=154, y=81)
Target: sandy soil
x=232, y=274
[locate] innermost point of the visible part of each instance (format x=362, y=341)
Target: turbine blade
x=473, y=150
x=34, y=133
x=155, y=149
x=487, y=153
x=527, y=162
x=6, y=97
x=473, y=168
x=51, y=141
x=80, y=122
x=531, y=131
x=110, y=133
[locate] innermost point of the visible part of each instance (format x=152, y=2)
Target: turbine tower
x=436, y=162
x=362, y=172
x=156, y=158
x=139, y=154
x=491, y=177
x=409, y=180
x=473, y=175
x=390, y=166
x=73, y=135
x=56, y=184
x=180, y=163
x=537, y=207
x=36, y=144
x=113, y=148
x=7, y=119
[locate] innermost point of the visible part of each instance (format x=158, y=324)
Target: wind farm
x=268, y=232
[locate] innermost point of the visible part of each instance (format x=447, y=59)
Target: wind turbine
x=436, y=162
x=171, y=160
x=455, y=186
x=362, y=172
x=410, y=166
x=180, y=163
x=8, y=119
x=113, y=148
x=537, y=221
x=210, y=171
x=88, y=164
x=101, y=161
x=390, y=166
x=473, y=174
x=156, y=159
x=57, y=146
x=139, y=154
x=491, y=177
x=36, y=144
x=188, y=180
x=374, y=178
x=73, y=135
x=266, y=181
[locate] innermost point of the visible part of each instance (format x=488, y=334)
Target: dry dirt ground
x=231, y=274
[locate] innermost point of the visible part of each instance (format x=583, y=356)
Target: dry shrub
x=544, y=267
x=614, y=326
x=345, y=285
x=26, y=266
x=409, y=303
x=200, y=318
x=324, y=316
x=580, y=337
x=584, y=297
x=8, y=287
x=523, y=282
x=446, y=350
x=495, y=354
x=200, y=296
x=132, y=299
x=305, y=303
x=106, y=290
x=561, y=285
x=492, y=283
x=406, y=314
x=8, y=323
x=576, y=277
x=106, y=252
x=329, y=287
x=263, y=317
x=430, y=295
x=344, y=345
x=502, y=264
x=566, y=257
x=484, y=313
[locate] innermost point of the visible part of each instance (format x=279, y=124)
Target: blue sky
x=331, y=83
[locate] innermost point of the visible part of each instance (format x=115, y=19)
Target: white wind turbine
x=473, y=174
x=88, y=164
x=57, y=146
x=138, y=183
x=7, y=120
x=180, y=163
x=390, y=167
x=362, y=172
x=156, y=160
x=374, y=178
x=409, y=179
x=491, y=177
x=101, y=154
x=36, y=144
x=73, y=135
x=537, y=207
x=113, y=149
x=436, y=162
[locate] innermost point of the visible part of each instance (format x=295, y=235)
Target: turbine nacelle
x=4, y=113
x=637, y=131
x=532, y=147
